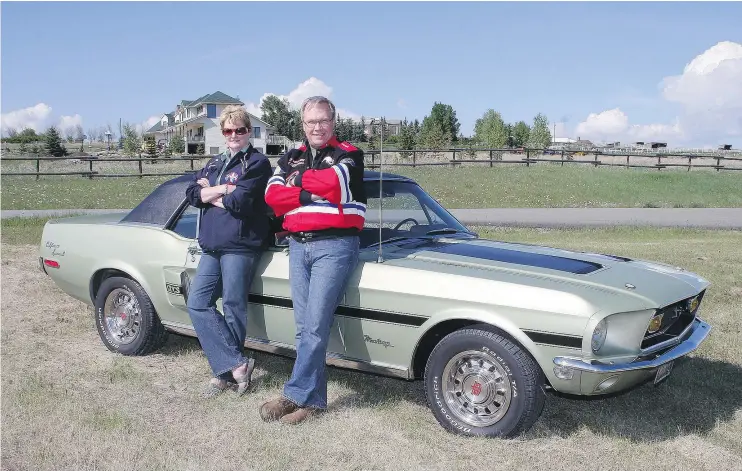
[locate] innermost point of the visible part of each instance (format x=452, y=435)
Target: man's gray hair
x=318, y=100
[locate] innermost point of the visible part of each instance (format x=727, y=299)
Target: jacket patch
x=347, y=146
x=232, y=177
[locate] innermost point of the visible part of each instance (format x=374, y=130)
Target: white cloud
x=34, y=117
x=310, y=87
x=401, y=104
x=614, y=125
x=68, y=124
x=147, y=123
x=709, y=92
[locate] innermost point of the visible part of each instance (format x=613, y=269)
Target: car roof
x=159, y=206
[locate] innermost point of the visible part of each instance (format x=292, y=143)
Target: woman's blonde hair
x=235, y=113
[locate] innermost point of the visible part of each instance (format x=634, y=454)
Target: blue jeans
x=319, y=273
x=222, y=338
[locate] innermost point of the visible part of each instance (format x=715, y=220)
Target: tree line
x=440, y=129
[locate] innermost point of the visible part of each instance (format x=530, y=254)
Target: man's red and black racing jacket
x=335, y=174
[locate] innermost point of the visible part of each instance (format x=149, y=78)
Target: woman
x=233, y=232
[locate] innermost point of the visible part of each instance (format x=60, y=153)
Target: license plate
x=663, y=372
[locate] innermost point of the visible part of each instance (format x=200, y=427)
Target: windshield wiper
x=446, y=230
x=443, y=230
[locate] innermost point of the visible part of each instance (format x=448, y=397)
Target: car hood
x=652, y=284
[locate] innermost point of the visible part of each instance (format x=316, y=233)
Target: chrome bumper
x=698, y=334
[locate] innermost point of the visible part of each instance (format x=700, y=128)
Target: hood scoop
x=518, y=257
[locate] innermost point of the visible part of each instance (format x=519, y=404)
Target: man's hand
x=203, y=182
x=218, y=203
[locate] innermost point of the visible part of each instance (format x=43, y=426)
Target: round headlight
x=599, y=334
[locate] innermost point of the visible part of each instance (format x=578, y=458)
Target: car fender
x=477, y=316
x=122, y=266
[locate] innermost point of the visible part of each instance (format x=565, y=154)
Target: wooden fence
x=393, y=158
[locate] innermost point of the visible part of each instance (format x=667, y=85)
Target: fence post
x=659, y=162
x=596, y=161
x=627, y=160
x=140, y=167
x=689, y=157
x=717, y=163
x=490, y=158
x=90, y=177
x=528, y=157
x=453, y=160
x=562, y=157
x=414, y=157
x=38, y=168
x=191, y=163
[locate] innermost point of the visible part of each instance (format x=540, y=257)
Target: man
x=233, y=231
x=318, y=189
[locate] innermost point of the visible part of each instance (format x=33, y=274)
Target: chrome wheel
x=476, y=388
x=123, y=317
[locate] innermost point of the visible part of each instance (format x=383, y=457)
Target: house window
x=200, y=109
x=256, y=132
x=213, y=150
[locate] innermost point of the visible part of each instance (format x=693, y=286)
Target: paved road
x=707, y=218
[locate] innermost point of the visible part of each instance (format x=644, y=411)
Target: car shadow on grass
x=367, y=390
x=698, y=395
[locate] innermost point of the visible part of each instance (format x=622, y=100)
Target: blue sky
x=64, y=63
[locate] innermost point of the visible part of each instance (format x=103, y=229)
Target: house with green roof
x=197, y=121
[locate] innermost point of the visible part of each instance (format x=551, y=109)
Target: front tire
x=126, y=319
x=480, y=383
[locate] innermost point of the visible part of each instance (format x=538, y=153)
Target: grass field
x=68, y=403
x=467, y=187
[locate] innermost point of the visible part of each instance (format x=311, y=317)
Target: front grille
x=676, y=318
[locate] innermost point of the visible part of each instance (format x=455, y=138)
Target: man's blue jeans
x=222, y=338
x=319, y=273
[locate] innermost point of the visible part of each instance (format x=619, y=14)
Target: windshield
x=407, y=211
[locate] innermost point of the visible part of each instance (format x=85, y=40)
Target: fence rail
x=396, y=158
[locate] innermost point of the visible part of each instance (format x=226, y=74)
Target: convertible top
x=157, y=207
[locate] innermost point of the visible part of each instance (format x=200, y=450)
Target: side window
x=186, y=224
x=256, y=132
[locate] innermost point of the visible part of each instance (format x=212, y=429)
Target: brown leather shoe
x=277, y=408
x=299, y=415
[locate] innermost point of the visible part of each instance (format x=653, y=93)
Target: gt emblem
x=231, y=177
x=476, y=388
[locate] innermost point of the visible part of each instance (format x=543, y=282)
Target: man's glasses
x=323, y=123
x=239, y=131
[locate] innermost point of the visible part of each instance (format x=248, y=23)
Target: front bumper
x=591, y=373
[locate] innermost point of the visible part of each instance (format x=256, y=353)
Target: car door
x=270, y=319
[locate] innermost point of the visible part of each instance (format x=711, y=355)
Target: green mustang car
x=488, y=326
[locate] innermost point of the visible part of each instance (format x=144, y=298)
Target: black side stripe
x=416, y=321
x=554, y=339
x=354, y=312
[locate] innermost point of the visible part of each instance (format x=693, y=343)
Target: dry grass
x=68, y=403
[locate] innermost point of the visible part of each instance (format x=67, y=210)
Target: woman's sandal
x=214, y=388
x=243, y=381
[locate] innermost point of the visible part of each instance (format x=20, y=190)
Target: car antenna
x=380, y=258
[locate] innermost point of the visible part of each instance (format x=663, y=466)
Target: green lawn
x=468, y=187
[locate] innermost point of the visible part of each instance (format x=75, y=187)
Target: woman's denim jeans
x=222, y=338
x=319, y=273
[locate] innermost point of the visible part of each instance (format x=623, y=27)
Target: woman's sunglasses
x=239, y=131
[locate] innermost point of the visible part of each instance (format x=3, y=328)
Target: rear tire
x=480, y=383
x=126, y=319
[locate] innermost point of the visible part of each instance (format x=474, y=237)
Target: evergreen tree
x=53, y=143
x=177, y=145
x=521, y=134
x=406, y=138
